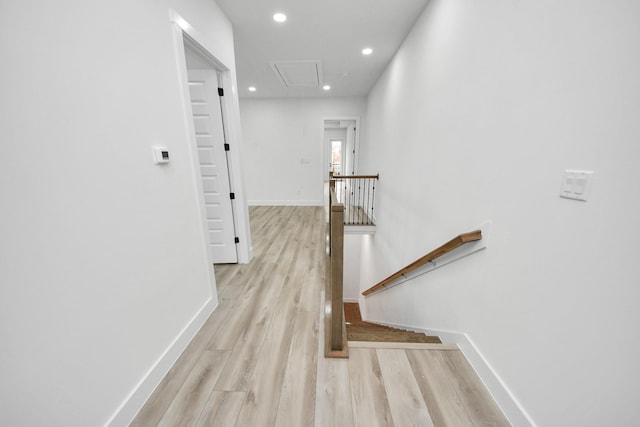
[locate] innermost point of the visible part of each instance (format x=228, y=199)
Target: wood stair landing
x=358, y=330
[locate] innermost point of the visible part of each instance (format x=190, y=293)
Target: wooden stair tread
x=358, y=330
x=371, y=327
x=380, y=333
x=397, y=337
x=404, y=345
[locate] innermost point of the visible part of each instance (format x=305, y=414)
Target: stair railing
x=454, y=243
x=357, y=194
x=335, y=332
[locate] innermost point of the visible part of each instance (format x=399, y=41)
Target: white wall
x=488, y=102
x=351, y=267
x=103, y=264
x=283, y=147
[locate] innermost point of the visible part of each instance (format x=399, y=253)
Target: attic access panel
x=298, y=73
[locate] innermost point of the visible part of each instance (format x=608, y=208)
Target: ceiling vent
x=301, y=73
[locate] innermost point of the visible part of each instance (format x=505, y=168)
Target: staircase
x=358, y=330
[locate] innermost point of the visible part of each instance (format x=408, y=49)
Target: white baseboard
x=143, y=390
x=350, y=300
x=285, y=203
x=511, y=407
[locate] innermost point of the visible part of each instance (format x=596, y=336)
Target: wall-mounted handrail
x=452, y=244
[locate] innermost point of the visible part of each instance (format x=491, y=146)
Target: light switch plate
x=576, y=184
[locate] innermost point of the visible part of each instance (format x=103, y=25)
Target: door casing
x=185, y=35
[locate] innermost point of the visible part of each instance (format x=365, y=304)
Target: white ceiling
x=333, y=32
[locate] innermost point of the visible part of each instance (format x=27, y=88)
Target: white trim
x=356, y=146
x=350, y=300
x=359, y=229
x=185, y=33
x=186, y=28
x=285, y=203
x=181, y=68
x=504, y=397
x=233, y=135
x=223, y=82
x=132, y=404
x=356, y=143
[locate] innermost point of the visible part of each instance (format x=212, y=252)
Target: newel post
x=337, y=259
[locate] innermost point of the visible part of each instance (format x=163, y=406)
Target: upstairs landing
x=405, y=378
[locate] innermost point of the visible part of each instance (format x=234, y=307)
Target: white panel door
x=207, y=120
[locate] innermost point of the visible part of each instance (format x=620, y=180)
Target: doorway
x=207, y=111
x=337, y=157
x=341, y=144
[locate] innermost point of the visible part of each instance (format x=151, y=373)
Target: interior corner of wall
x=134, y=401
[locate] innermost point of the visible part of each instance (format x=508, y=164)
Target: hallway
x=257, y=360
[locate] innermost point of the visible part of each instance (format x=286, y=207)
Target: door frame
x=185, y=34
x=352, y=157
x=210, y=76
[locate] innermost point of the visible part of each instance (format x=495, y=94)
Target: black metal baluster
x=373, y=181
x=366, y=208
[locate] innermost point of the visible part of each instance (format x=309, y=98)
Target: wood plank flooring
x=258, y=360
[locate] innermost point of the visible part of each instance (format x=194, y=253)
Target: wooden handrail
x=452, y=244
x=356, y=176
x=333, y=201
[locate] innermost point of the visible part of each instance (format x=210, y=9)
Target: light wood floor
x=258, y=360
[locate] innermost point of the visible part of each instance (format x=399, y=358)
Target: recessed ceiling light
x=326, y=87
x=252, y=88
x=367, y=51
x=279, y=17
